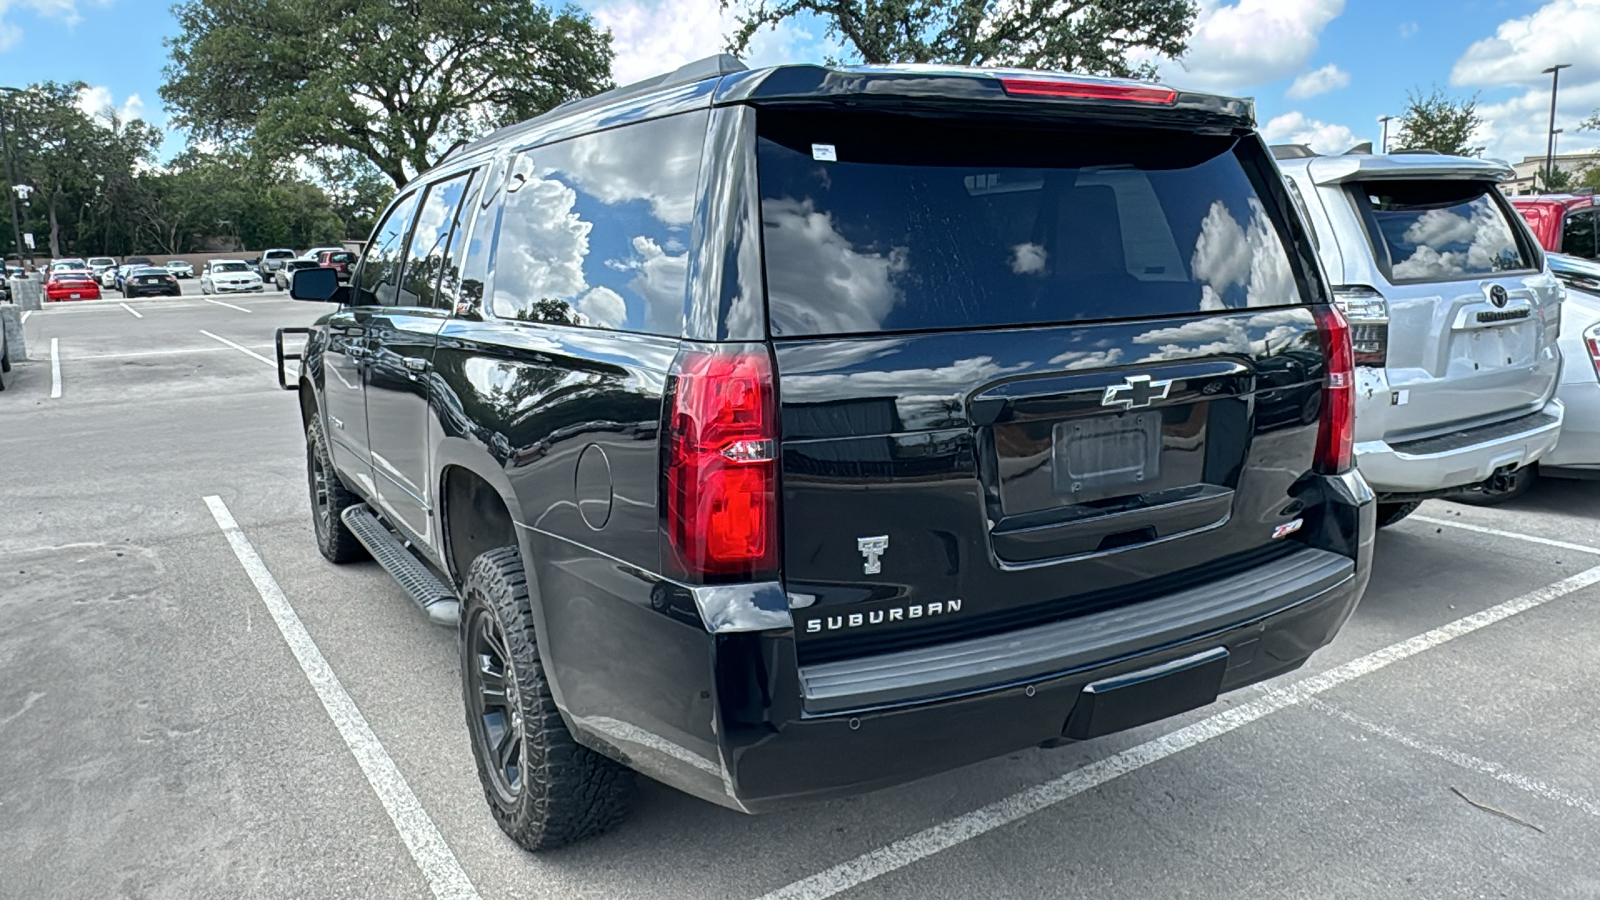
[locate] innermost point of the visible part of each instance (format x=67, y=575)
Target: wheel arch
x=477, y=508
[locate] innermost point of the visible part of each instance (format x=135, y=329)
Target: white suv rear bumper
x=1459, y=459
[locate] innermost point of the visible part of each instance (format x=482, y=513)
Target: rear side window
x=594, y=231
x=1438, y=230
x=875, y=223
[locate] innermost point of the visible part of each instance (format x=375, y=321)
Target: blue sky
x=1322, y=71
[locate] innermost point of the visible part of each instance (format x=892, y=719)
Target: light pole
x=1386, y=120
x=1550, y=150
x=11, y=179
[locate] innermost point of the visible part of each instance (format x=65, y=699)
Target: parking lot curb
x=11, y=321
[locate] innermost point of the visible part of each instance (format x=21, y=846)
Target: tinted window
x=455, y=282
x=594, y=231
x=882, y=223
x=1439, y=230
x=230, y=267
x=379, y=280
x=1577, y=235
x=425, y=256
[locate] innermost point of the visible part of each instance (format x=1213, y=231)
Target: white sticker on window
x=824, y=153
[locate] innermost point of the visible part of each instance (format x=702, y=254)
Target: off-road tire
x=333, y=538
x=567, y=791
x=1390, y=513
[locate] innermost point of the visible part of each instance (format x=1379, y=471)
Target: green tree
x=1559, y=181
x=82, y=170
x=1088, y=36
x=201, y=199
x=399, y=82
x=1433, y=121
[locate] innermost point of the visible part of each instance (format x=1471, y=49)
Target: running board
x=416, y=579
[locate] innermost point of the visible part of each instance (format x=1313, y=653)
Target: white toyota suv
x=1454, y=315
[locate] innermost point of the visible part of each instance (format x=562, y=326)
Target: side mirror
x=317, y=284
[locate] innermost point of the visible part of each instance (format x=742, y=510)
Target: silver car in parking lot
x=1577, y=454
x=1454, y=315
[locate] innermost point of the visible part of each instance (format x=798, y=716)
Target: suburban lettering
x=855, y=619
x=916, y=611
x=881, y=616
x=951, y=606
x=896, y=614
x=813, y=626
x=835, y=622
x=935, y=608
x=875, y=617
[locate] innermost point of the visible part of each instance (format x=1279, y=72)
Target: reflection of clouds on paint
x=1028, y=259
x=831, y=287
x=940, y=389
x=1087, y=359
x=1228, y=335
x=1228, y=255
x=1489, y=242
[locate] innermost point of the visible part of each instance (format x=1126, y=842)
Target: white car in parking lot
x=229, y=276
x=1454, y=316
x=1577, y=453
x=177, y=268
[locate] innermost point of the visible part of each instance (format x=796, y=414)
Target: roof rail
x=1292, y=151
x=1425, y=151
x=688, y=73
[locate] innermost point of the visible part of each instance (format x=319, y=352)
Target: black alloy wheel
x=329, y=499
x=495, y=711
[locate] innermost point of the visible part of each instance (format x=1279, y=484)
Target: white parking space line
x=136, y=354
x=1456, y=758
x=55, y=368
x=422, y=838
x=981, y=821
x=228, y=305
x=240, y=348
x=1515, y=535
x=136, y=313
x=26, y=313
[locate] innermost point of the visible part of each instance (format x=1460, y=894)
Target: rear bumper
x=781, y=734
x=1461, y=458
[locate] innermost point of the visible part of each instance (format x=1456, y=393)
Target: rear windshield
x=874, y=223
x=1440, y=230
x=341, y=257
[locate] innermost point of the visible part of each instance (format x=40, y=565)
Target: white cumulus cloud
x=1319, y=81
x=1516, y=55
x=1236, y=46
x=652, y=37
x=63, y=11
x=100, y=104
x=1295, y=128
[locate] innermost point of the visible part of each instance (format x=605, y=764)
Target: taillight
x=1087, y=90
x=1336, y=434
x=1368, y=315
x=1591, y=342
x=720, y=508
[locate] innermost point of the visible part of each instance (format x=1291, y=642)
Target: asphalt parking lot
x=168, y=732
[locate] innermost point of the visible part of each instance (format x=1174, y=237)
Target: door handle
x=414, y=364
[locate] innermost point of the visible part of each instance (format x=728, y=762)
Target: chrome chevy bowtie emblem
x=871, y=549
x=1136, y=391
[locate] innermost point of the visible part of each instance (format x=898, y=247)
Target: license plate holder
x=1092, y=455
x=1148, y=695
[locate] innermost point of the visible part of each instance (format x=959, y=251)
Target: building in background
x=1574, y=164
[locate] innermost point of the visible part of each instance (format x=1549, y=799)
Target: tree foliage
x=98, y=191
x=1559, y=181
x=1102, y=37
x=397, y=82
x=1433, y=121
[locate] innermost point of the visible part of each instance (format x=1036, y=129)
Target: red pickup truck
x=1563, y=223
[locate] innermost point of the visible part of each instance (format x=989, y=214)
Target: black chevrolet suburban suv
x=789, y=433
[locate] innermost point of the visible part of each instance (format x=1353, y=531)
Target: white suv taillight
x=1368, y=315
x=720, y=504
x=1336, y=434
x=1591, y=342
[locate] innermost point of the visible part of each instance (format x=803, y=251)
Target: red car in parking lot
x=1563, y=223
x=341, y=261
x=72, y=285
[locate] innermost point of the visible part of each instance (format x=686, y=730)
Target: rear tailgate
x=1473, y=319
x=1026, y=373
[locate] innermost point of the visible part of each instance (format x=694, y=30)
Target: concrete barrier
x=11, y=322
x=26, y=293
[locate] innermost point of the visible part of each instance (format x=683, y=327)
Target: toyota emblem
x=1497, y=296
